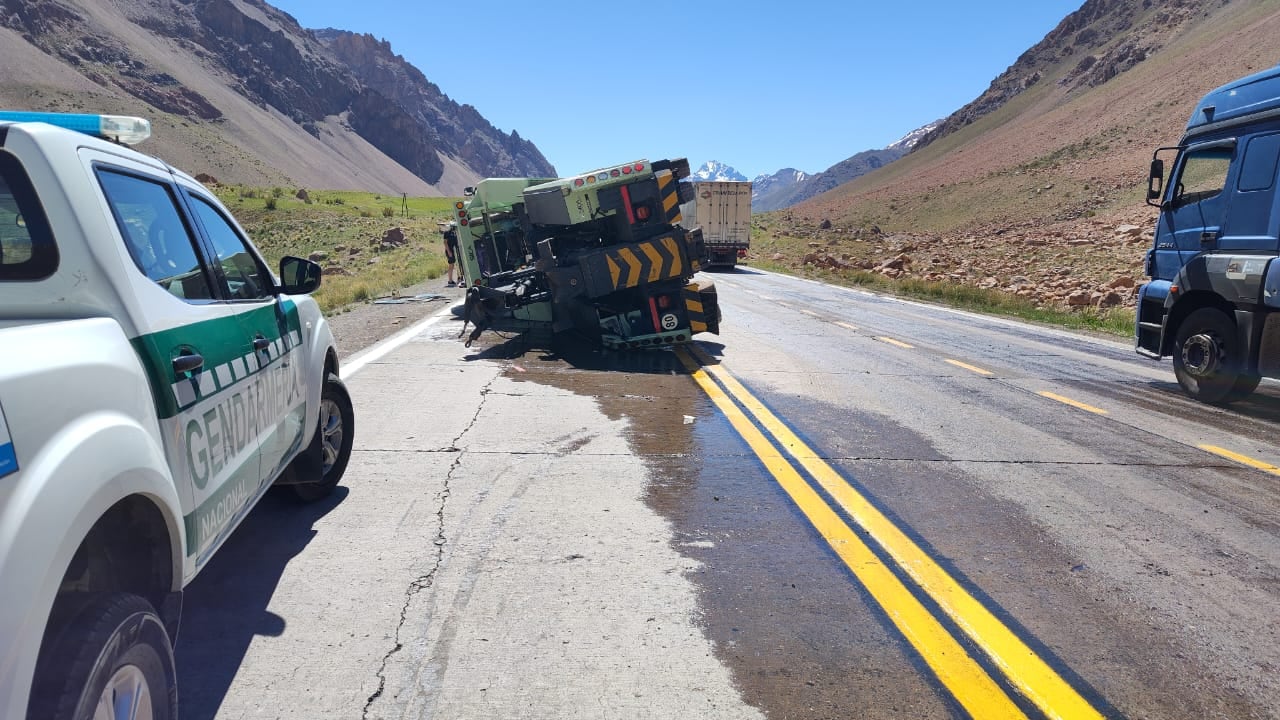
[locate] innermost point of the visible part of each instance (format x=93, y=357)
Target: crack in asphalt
x=426, y=580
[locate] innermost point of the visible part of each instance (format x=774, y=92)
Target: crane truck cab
x=1213, y=300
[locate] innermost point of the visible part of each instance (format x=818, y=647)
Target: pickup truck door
x=272, y=323
x=197, y=352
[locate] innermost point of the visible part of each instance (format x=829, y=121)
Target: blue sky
x=757, y=85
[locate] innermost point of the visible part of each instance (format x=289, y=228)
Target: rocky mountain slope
x=785, y=194
x=459, y=129
x=834, y=176
x=1036, y=188
x=237, y=90
x=767, y=190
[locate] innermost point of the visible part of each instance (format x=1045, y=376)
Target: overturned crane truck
x=1213, y=301
x=602, y=253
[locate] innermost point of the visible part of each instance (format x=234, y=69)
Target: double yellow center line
x=964, y=677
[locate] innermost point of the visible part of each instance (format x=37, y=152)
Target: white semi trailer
x=723, y=210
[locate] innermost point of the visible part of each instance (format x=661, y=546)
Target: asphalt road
x=842, y=506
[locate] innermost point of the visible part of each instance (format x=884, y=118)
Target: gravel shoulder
x=358, y=326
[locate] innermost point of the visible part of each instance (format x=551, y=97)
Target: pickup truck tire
x=332, y=442
x=1206, y=358
x=114, y=660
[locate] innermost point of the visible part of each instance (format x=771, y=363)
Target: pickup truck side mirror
x=298, y=276
x=1155, y=183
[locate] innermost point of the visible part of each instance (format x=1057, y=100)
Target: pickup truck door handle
x=1208, y=237
x=188, y=363
x=261, y=343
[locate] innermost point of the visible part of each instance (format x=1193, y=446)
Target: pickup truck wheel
x=1205, y=358
x=333, y=439
x=113, y=661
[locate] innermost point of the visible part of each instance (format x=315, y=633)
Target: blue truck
x=1213, y=301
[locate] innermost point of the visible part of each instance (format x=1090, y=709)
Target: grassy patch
x=344, y=231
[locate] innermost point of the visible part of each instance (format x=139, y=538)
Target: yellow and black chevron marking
x=701, y=317
x=669, y=194
x=649, y=261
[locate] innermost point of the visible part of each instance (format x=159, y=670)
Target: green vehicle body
x=602, y=254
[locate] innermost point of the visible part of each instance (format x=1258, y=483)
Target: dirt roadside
x=356, y=327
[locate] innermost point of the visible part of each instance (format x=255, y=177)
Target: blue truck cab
x=1213, y=301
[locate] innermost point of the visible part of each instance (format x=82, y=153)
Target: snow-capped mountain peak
x=714, y=170
x=909, y=140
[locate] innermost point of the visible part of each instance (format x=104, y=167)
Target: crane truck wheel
x=1205, y=358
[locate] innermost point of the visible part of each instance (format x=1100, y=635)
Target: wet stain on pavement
x=783, y=613
x=800, y=635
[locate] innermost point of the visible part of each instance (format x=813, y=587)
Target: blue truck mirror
x=1155, y=183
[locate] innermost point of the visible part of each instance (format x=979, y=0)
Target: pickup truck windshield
x=27, y=250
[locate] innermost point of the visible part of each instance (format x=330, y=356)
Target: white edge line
x=955, y=311
x=382, y=348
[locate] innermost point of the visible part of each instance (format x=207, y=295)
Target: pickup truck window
x=27, y=250
x=246, y=278
x=155, y=233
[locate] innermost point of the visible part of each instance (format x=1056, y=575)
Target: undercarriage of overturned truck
x=603, y=254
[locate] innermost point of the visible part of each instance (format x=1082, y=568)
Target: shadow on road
x=226, y=606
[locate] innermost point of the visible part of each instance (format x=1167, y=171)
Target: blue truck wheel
x=1206, y=358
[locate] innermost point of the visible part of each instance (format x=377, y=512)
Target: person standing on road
x=450, y=234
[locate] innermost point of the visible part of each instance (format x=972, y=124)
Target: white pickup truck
x=155, y=380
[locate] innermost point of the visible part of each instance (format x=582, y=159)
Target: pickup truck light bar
x=123, y=129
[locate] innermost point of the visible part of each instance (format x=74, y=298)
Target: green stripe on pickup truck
x=219, y=514
x=222, y=342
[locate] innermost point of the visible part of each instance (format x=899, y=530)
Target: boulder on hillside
x=1080, y=298
x=394, y=237
x=1105, y=300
